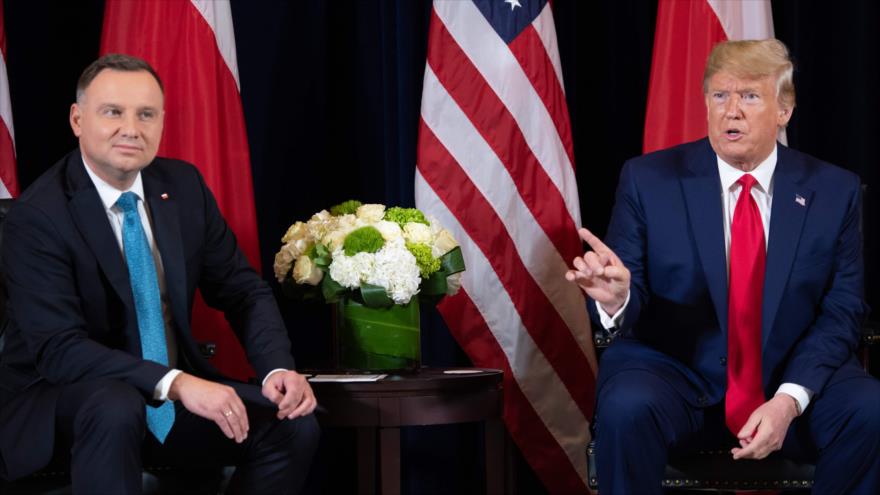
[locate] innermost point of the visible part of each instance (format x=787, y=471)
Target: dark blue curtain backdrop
x=331, y=93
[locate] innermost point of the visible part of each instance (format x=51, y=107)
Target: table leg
x=496, y=456
x=389, y=448
x=366, y=460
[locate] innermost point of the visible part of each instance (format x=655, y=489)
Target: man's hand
x=600, y=274
x=213, y=401
x=291, y=392
x=765, y=430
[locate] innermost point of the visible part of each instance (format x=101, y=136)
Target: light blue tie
x=147, y=304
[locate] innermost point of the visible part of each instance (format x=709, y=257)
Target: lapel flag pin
x=165, y=196
x=800, y=200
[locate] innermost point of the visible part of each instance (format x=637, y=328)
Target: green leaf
x=331, y=289
x=452, y=262
x=375, y=296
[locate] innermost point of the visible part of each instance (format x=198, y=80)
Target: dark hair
x=114, y=61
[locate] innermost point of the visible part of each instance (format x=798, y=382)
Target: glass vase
x=378, y=339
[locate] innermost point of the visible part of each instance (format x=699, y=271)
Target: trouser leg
x=103, y=424
x=841, y=430
x=275, y=458
x=639, y=418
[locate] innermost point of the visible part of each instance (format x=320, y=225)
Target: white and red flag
x=191, y=45
x=686, y=32
x=8, y=174
x=495, y=165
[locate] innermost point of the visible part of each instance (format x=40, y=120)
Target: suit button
x=702, y=400
x=723, y=361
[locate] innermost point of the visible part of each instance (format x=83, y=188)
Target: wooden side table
x=431, y=396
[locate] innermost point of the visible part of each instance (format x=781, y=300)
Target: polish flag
x=686, y=32
x=191, y=45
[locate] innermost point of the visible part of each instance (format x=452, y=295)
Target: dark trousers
x=640, y=418
x=103, y=425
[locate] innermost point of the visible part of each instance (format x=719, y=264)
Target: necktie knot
x=127, y=202
x=747, y=181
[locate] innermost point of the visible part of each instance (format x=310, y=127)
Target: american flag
x=496, y=166
x=8, y=173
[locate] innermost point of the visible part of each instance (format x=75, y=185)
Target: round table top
x=429, y=396
x=423, y=380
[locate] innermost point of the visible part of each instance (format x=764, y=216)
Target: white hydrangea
x=350, y=271
x=395, y=269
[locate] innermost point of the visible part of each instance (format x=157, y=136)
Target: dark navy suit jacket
x=71, y=310
x=667, y=228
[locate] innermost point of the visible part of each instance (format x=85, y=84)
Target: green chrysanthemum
x=427, y=263
x=345, y=208
x=402, y=216
x=363, y=240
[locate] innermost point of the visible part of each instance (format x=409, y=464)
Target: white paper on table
x=346, y=378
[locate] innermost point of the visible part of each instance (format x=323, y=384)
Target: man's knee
x=630, y=399
x=864, y=413
x=111, y=406
x=303, y=433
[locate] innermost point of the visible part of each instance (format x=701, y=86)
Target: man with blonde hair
x=732, y=279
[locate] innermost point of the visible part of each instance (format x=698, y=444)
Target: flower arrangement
x=377, y=256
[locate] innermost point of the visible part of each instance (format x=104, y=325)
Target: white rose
x=296, y=231
x=347, y=222
x=306, y=272
x=417, y=233
x=390, y=230
x=443, y=243
x=453, y=284
x=322, y=216
x=334, y=240
x=283, y=260
x=371, y=213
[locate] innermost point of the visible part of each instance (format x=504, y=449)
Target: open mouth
x=733, y=134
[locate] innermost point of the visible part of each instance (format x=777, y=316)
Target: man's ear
x=75, y=117
x=784, y=116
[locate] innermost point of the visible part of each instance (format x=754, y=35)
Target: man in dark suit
x=733, y=280
x=102, y=257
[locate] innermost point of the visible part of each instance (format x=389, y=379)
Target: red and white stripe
x=191, y=44
x=496, y=167
x=8, y=173
x=686, y=32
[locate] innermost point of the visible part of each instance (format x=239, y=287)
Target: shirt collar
x=109, y=194
x=763, y=173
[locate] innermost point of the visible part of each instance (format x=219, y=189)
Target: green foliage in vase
x=345, y=208
x=402, y=216
x=427, y=263
x=363, y=240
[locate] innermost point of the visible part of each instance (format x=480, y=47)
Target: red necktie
x=747, y=258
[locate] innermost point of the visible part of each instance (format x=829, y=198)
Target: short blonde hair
x=754, y=59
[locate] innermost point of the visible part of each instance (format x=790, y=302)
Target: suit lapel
x=791, y=200
x=91, y=220
x=702, y=192
x=166, y=231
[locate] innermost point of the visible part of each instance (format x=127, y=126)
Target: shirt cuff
x=164, y=385
x=612, y=322
x=270, y=374
x=801, y=394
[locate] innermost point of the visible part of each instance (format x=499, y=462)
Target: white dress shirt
x=762, y=192
x=109, y=195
